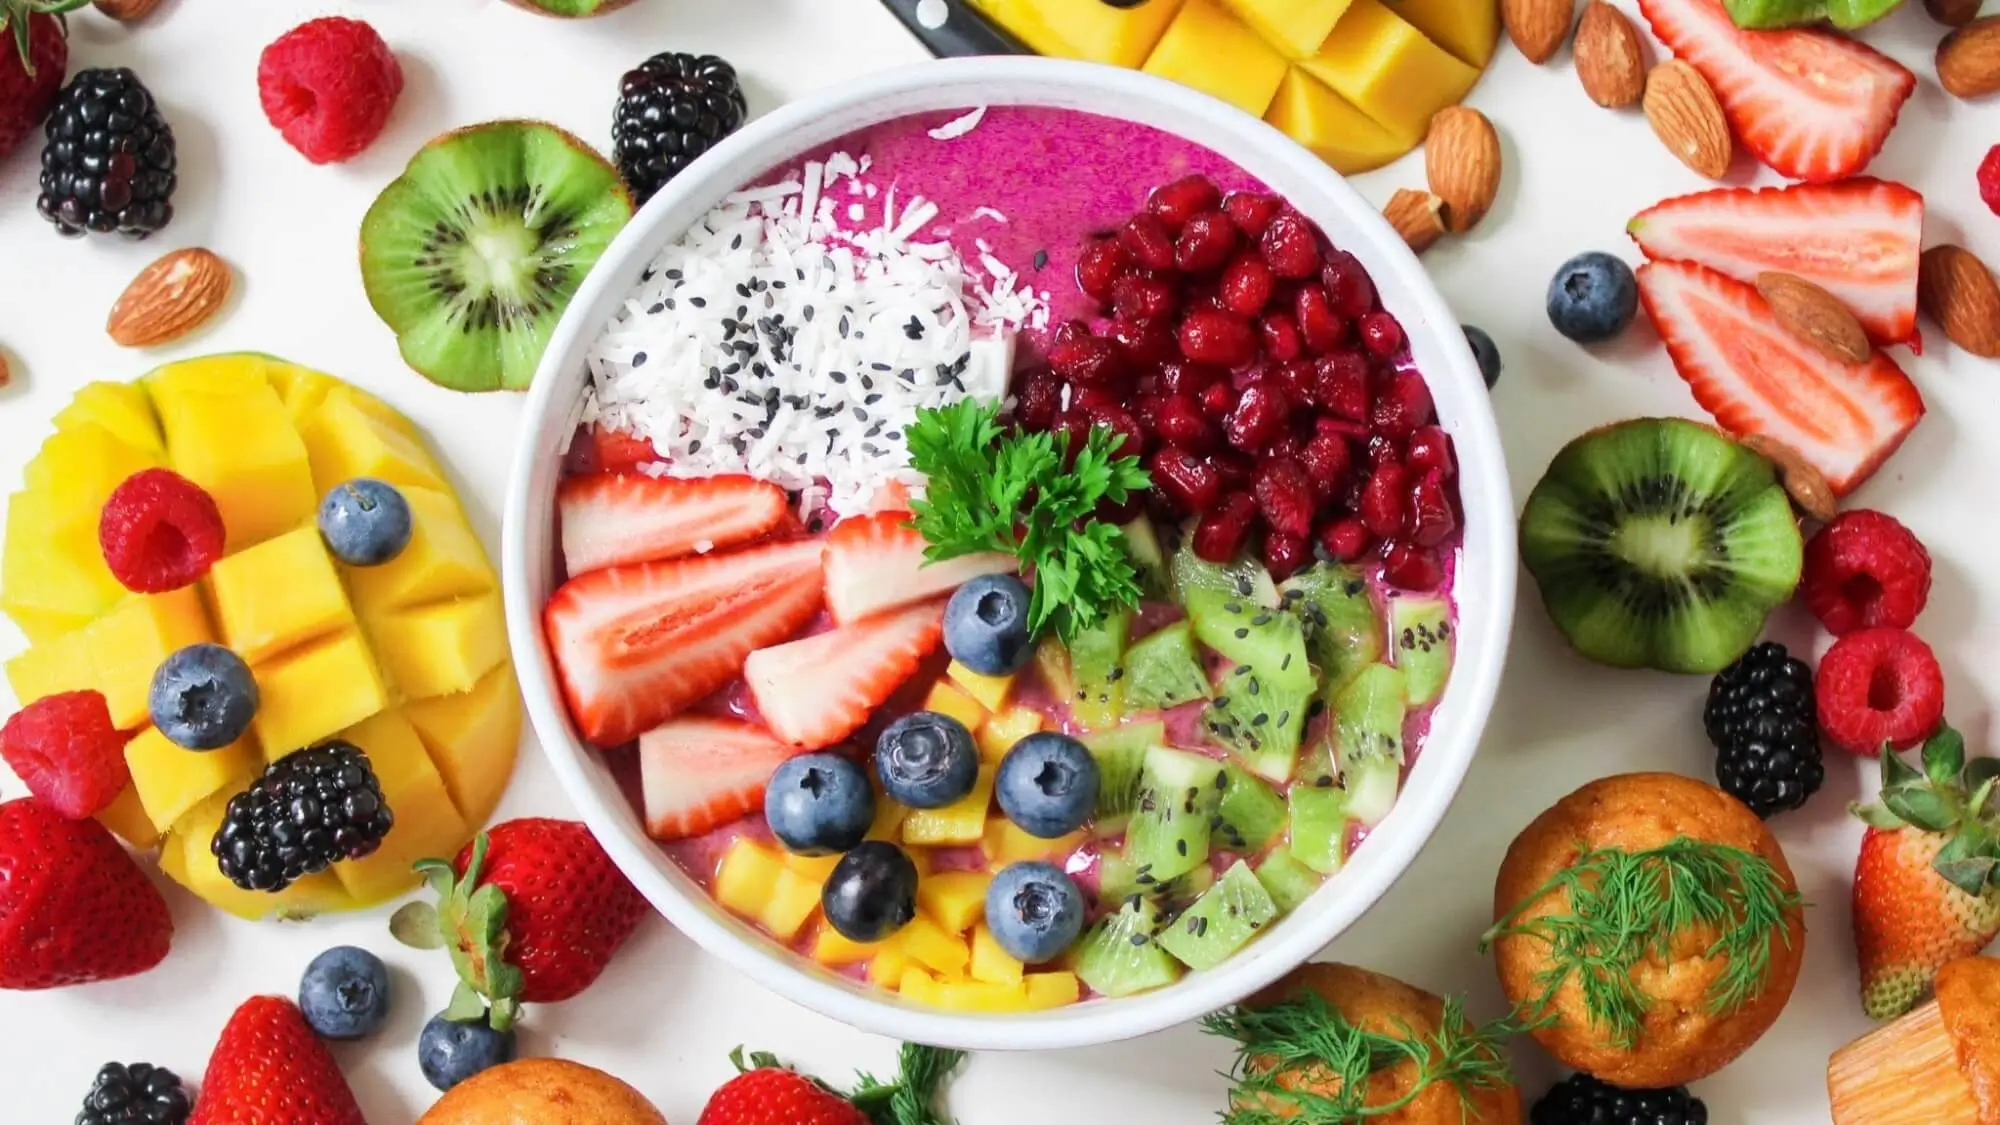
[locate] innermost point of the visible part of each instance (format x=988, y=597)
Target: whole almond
x=1952, y=13
x=169, y=299
x=1968, y=61
x=1418, y=216
x=1815, y=316
x=1685, y=115
x=125, y=11
x=1608, y=58
x=1955, y=289
x=1803, y=483
x=6, y=372
x=1462, y=163
x=1537, y=27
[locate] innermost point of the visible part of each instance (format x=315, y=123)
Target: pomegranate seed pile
x=1251, y=365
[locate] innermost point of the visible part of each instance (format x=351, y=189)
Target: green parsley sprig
x=991, y=490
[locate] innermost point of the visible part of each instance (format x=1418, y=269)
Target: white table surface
x=666, y=1015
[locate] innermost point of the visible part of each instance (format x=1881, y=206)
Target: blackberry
x=1583, y=1100
x=108, y=164
x=1764, y=723
x=309, y=810
x=138, y=1094
x=672, y=108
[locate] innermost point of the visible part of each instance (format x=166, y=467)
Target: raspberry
x=67, y=752
x=1989, y=179
x=1864, y=571
x=159, y=532
x=1877, y=686
x=327, y=85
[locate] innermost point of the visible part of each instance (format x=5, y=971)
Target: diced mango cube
x=1469, y=29
x=171, y=780
x=991, y=963
x=1214, y=52
x=240, y=446
x=53, y=580
x=1120, y=36
x=344, y=440
x=888, y=823
x=813, y=867
x=122, y=409
x=1296, y=27
x=1003, y=730
x=278, y=595
x=885, y=969
x=229, y=373
x=979, y=996
x=186, y=858
x=992, y=692
x=754, y=883
x=441, y=648
x=936, y=948
x=313, y=693
x=946, y=699
x=127, y=819
x=793, y=900
x=443, y=560
x=1052, y=990
x=1006, y=843
x=78, y=469
x=115, y=656
x=427, y=823
x=301, y=389
x=1334, y=130
x=956, y=899
x=50, y=668
x=960, y=822
x=918, y=986
x=473, y=737
x=831, y=947
x=1389, y=70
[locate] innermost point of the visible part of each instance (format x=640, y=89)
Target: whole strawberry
x=74, y=908
x=33, y=54
x=268, y=1068
x=766, y=1092
x=327, y=86
x=1925, y=890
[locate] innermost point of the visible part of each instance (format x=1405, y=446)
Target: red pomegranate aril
x=1343, y=386
x=1179, y=421
x=1146, y=408
x=1290, y=246
x=1177, y=202
x=1086, y=359
x=1298, y=378
x=1225, y=340
x=1381, y=334
x=1138, y=296
x=1348, y=284
x=1284, y=445
x=1259, y=417
x=1191, y=483
x=1039, y=400
x=1121, y=421
x=1343, y=428
x=1403, y=405
x=1102, y=262
x=1410, y=567
x=1252, y=211
x=1221, y=533
x=1145, y=343
x=1430, y=452
x=1188, y=379
x=1217, y=399
x=1280, y=334
x=1345, y=539
x=1247, y=285
x=1206, y=244
x=1431, y=520
x=1384, y=499
x=1285, y=496
x=1068, y=332
x=1089, y=398
x=1325, y=460
x=1148, y=241
x=1285, y=555
x=1384, y=450
x=1320, y=327
x=1108, y=512
x=1236, y=470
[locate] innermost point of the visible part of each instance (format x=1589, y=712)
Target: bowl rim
x=1485, y=497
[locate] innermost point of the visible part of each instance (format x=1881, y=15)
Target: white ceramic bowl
x=1484, y=590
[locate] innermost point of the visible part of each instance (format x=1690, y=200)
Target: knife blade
x=954, y=29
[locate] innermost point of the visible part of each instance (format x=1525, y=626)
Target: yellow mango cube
x=1389, y=71
x=442, y=648
x=934, y=947
x=278, y=595
x=240, y=446
x=1092, y=32
x=754, y=883
x=992, y=692
x=427, y=823
x=78, y=468
x=888, y=823
x=831, y=947
x=229, y=373
x=956, y=899
x=946, y=699
x=1005, y=842
x=815, y=868
x=1335, y=131
x=980, y=996
x=990, y=963
x=303, y=390
x=918, y=986
x=1052, y=990
x=1469, y=29
x=171, y=780
x=310, y=694
x=1003, y=730
x=961, y=822
x=1214, y=52
x=344, y=440
x=187, y=860
x=472, y=738
x=885, y=969
x=127, y=819
x=443, y=561
x=50, y=668
x=122, y=409
x=115, y=656
x=1295, y=27
x=793, y=900
x=53, y=580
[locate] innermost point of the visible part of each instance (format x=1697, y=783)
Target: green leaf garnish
x=1952, y=797
x=469, y=921
x=910, y=1099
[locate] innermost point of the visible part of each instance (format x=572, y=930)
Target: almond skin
x=125, y=11
x=1803, y=483
x=1537, y=27
x=1955, y=289
x=1952, y=13
x=6, y=372
x=1462, y=163
x=1968, y=60
x=169, y=299
x=1608, y=58
x=1418, y=216
x=1815, y=316
x=1685, y=115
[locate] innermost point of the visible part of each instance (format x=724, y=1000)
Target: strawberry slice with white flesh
x=699, y=773
x=1857, y=239
x=874, y=563
x=635, y=645
x=816, y=691
x=1755, y=377
x=1811, y=104
x=609, y=519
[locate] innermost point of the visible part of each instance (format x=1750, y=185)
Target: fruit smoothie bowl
x=944, y=568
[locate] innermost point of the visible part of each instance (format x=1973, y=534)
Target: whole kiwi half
x=1661, y=543
x=570, y=9
x=472, y=254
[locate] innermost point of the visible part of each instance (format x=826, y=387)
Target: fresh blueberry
x=819, y=804
x=1486, y=352
x=451, y=1051
x=345, y=993
x=203, y=697
x=1592, y=297
x=926, y=760
x=986, y=625
x=1047, y=784
x=1034, y=910
x=365, y=522
x=872, y=892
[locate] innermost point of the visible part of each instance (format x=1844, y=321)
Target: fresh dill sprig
x=1301, y=1061
x=1625, y=906
x=912, y=1098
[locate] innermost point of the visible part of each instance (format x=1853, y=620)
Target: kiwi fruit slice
x=1223, y=920
x=1420, y=628
x=570, y=9
x=1120, y=955
x=471, y=255
x=1343, y=631
x=1660, y=543
x=1097, y=663
x=1164, y=670
x=1120, y=754
x=1289, y=882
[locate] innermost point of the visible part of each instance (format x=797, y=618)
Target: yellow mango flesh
x=885, y=969
x=231, y=435
x=187, y=860
x=991, y=963
x=114, y=656
x=127, y=819
x=1052, y=990
x=752, y=882
x=427, y=824
x=831, y=947
x=1294, y=27
x=948, y=700
x=170, y=780
x=442, y=561
x=1092, y=32
x=936, y=948
x=1469, y=29
x=472, y=738
x=1002, y=731
x=278, y=595
x=443, y=648
x=961, y=822
x=1389, y=71
x=122, y=409
x=314, y=693
x=956, y=899
x=990, y=691
x=1331, y=127
x=344, y=441
x=1214, y=52
x=1005, y=843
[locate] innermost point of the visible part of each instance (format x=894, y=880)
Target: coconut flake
x=959, y=126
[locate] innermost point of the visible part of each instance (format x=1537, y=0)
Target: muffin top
x=542, y=1092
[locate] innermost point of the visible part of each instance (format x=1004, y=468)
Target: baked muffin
x=1666, y=1006
x=1938, y=1063
x=542, y=1092
x=1478, y=1091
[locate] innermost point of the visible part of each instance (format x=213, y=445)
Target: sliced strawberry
x=614, y=518
x=1811, y=104
x=700, y=773
x=615, y=451
x=874, y=563
x=893, y=496
x=636, y=644
x=1858, y=240
x=1757, y=378
x=816, y=691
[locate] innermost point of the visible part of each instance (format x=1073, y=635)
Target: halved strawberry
x=634, y=645
x=613, y=518
x=874, y=563
x=700, y=773
x=816, y=691
x=1858, y=240
x=1811, y=104
x=1757, y=378
x=615, y=451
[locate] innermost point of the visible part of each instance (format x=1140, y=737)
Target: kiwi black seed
x=473, y=253
x=1660, y=543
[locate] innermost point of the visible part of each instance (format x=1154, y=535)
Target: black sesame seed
x=1041, y=259
x=698, y=302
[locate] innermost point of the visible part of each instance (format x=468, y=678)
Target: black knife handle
x=964, y=32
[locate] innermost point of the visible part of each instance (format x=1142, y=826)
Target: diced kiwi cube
x=1169, y=832
x=1343, y=631
x=1259, y=720
x=1142, y=546
x=1245, y=579
x=1097, y=664
x=1319, y=827
x=1120, y=754
x=1268, y=640
x=1289, y=881
x=1368, y=730
x=1121, y=955
x=1420, y=629
x=1250, y=814
x=1222, y=921
x=1163, y=669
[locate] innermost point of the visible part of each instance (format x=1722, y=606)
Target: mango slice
x=1333, y=129
x=1389, y=71
x=1214, y=52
